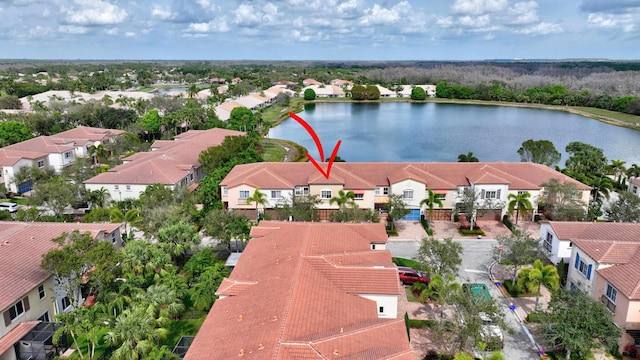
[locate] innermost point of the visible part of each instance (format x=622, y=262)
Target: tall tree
x=539, y=152
x=519, y=201
x=178, y=238
x=134, y=334
x=396, y=208
x=625, y=209
x=430, y=201
x=204, y=290
x=468, y=157
x=440, y=256
x=56, y=194
x=577, y=323
x=343, y=199
x=561, y=201
x=585, y=158
x=227, y=227
x=617, y=168
x=533, y=278
x=418, y=93
x=132, y=218
x=633, y=171
x=519, y=248
x=600, y=187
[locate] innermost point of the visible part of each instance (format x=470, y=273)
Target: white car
x=490, y=332
x=9, y=206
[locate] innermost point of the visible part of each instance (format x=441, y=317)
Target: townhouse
x=29, y=299
x=171, y=163
x=603, y=262
x=634, y=186
x=374, y=183
x=53, y=152
x=251, y=101
x=308, y=291
x=325, y=91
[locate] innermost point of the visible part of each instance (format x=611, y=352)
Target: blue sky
x=319, y=29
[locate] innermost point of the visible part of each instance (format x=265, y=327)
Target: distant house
x=407, y=89
x=385, y=93
x=327, y=292
x=345, y=84
x=236, y=81
x=216, y=80
x=309, y=82
x=634, y=186
x=170, y=163
x=604, y=263
x=325, y=91
x=29, y=299
x=53, y=152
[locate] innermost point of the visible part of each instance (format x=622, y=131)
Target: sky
x=319, y=29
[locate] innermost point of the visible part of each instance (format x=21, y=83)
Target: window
x=385, y=191
x=441, y=197
x=376, y=191
x=548, y=242
x=65, y=303
x=611, y=293
x=40, y=164
x=325, y=194
x=244, y=194
x=490, y=194
x=407, y=194
x=16, y=310
x=358, y=196
x=635, y=189
x=224, y=191
x=191, y=177
x=381, y=309
x=128, y=188
x=67, y=154
x=302, y=191
x=276, y=194
x=41, y=292
x=117, y=187
x=113, y=237
x=44, y=317
x=583, y=267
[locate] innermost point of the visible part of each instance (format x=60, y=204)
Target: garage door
x=413, y=215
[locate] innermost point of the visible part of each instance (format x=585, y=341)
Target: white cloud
x=164, y=13
x=625, y=22
x=543, y=28
x=378, y=15
x=112, y=31
x=129, y=34
x=523, y=13
x=478, y=7
x=73, y=29
x=213, y=26
x=95, y=12
x=252, y=16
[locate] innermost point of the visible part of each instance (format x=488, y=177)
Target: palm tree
x=430, y=201
x=343, y=199
x=98, y=152
x=192, y=91
x=468, y=157
x=633, y=171
x=204, y=290
x=160, y=302
x=135, y=334
x=618, y=169
x=177, y=238
x=600, y=187
x=533, y=278
x=98, y=197
x=259, y=198
x=519, y=201
x=131, y=218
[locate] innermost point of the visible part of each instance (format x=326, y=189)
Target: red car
x=409, y=276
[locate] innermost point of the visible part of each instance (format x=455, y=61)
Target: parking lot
x=478, y=255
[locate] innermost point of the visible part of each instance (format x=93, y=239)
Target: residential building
x=29, y=296
x=386, y=93
x=308, y=291
x=407, y=89
x=634, y=186
x=605, y=264
x=53, y=152
x=309, y=82
x=374, y=183
x=325, y=91
x=171, y=163
x=345, y=84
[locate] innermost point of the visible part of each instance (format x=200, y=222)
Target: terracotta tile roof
x=608, y=251
x=635, y=181
x=168, y=163
x=86, y=133
x=11, y=157
x=625, y=278
x=17, y=333
x=298, y=306
x=21, y=248
x=43, y=144
x=607, y=231
x=436, y=176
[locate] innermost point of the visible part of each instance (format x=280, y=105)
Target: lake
x=401, y=131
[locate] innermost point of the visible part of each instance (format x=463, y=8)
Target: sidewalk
x=523, y=305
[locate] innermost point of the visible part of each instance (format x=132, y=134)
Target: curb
x=515, y=313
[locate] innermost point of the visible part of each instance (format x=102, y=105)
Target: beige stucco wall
x=317, y=189
x=37, y=307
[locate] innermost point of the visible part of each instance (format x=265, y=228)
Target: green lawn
x=272, y=151
x=406, y=262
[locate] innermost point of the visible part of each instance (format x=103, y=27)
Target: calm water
x=440, y=132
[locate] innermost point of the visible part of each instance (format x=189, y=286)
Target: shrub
x=514, y=289
x=475, y=231
x=534, y=317
x=507, y=222
x=425, y=225
x=418, y=93
x=309, y=94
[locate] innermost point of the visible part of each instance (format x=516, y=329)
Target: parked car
x=489, y=331
x=9, y=206
x=409, y=276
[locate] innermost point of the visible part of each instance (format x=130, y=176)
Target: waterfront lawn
x=272, y=152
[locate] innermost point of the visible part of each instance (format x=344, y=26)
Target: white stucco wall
x=389, y=304
x=560, y=249
x=419, y=192
x=37, y=307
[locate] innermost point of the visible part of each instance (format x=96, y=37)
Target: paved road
x=477, y=256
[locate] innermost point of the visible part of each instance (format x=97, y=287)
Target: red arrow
x=316, y=139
